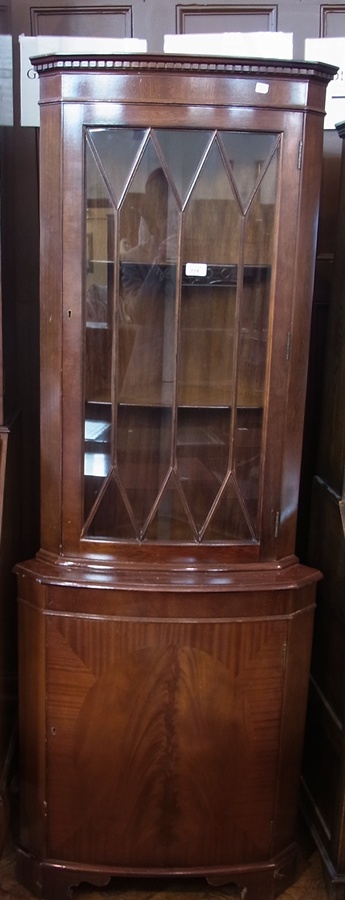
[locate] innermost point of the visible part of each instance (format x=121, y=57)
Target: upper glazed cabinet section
x=182, y=267
x=180, y=232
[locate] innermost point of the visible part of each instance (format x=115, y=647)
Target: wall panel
x=115, y=21
x=230, y=17
x=332, y=20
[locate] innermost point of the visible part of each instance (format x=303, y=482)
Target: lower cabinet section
x=161, y=726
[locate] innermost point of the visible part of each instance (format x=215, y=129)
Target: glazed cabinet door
x=184, y=373
x=181, y=224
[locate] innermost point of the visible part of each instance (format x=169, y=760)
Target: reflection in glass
x=179, y=251
x=202, y=452
x=184, y=151
x=148, y=289
x=247, y=154
x=211, y=236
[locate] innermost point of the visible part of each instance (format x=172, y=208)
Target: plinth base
x=55, y=881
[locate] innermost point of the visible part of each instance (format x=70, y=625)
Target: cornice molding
x=185, y=64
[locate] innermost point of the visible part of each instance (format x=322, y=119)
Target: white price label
x=196, y=270
x=261, y=87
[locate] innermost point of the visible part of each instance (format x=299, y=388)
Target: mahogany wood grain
x=127, y=709
x=163, y=679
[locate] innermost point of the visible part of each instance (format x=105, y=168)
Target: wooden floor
x=309, y=884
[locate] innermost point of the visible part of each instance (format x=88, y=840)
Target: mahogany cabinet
x=323, y=777
x=166, y=623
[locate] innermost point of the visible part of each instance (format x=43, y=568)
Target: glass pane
x=148, y=288
x=247, y=154
x=202, y=452
x=111, y=517
x=109, y=155
x=147, y=338
x=116, y=150
x=98, y=332
x=99, y=246
x=211, y=231
x=171, y=521
x=179, y=253
x=210, y=251
x=229, y=522
x=183, y=152
x=254, y=314
x=143, y=455
x=248, y=439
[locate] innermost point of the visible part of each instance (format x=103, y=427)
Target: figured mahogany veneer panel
x=163, y=731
